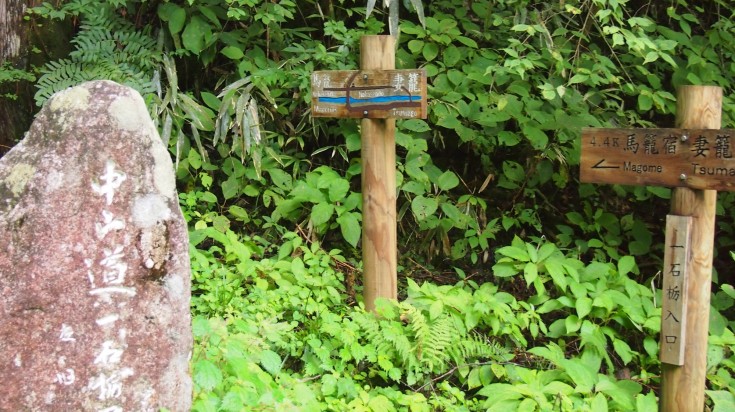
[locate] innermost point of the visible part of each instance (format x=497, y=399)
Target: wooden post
x=682, y=387
x=378, y=185
x=378, y=94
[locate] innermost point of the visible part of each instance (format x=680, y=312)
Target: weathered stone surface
x=94, y=265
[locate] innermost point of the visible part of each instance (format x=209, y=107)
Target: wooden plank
x=369, y=93
x=682, y=387
x=674, y=289
x=379, y=222
x=693, y=158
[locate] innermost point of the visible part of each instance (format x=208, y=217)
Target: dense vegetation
x=520, y=288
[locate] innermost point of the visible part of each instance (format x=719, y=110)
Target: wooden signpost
x=378, y=94
x=697, y=161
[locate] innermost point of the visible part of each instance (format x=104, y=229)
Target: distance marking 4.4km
x=698, y=159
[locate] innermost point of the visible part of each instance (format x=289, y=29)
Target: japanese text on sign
x=674, y=292
x=699, y=159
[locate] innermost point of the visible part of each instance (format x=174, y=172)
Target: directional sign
x=372, y=94
x=675, y=291
x=698, y=159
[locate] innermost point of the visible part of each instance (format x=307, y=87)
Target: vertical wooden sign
x=378, y=94
x=697, y=161
x=674, y=293
x=379, y=221
x=682, y=387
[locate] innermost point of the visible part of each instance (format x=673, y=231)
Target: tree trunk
x=24, y=45
x=15, y=112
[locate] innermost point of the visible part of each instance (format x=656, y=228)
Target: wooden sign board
x=674, y=292
x=697, y=159
x=370, y=94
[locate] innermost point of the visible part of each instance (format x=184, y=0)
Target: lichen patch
x=129, y=113
x=74, y=98
x=18, y=178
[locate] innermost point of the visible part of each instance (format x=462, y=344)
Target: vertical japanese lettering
x=631, y=144
x=701, y=146
x=722, y=147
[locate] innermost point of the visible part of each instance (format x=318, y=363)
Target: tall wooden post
x=682, y=388
x=378, y=94
x=378, y=185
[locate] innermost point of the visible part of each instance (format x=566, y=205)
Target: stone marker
x=94, y=265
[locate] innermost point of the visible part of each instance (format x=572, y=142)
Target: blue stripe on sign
x=380, y=99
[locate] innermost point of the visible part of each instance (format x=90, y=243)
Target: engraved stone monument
x=94, y=265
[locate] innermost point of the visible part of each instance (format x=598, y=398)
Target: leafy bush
x=521, y=289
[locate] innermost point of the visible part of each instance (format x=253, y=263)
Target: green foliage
x=8, y=74
x=548, y=296
x=106, y=47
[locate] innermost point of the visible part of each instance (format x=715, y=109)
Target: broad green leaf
x=651, y=57
x=504, y=269
x=207, y=375
x=280, y=178
x=239, y=213
x=572, y=324
x=414, y=187
x=622, y=392
x=338, y=189
x=271, y=361
x=583, y=377
x=578, y=78
x=194, y=34
x=535, y=136
x=430, y=51
x=530, y=273
x=599, y=403
x=514, y=253
x=230, y=188
x=175, y=15
x=651, y=346
x=513, y=171
x=350, y=227
x=555, y=269
x=221, y=223
x=583, y=306
x=435, y=310
x=626, y=265
x=645, y=102
x=451, y=56
x=623, y=350
x=724, y=400
x=473, y=379
x=497, y=392
x=200, y=326
x=467, y=41
x=209, y=197
x=415, y=125
x=648, y=402
x=232, y=52
x=423, y=207
x=448, y=180
x=381, y=403
x=321, y=213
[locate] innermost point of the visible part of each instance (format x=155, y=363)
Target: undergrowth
x=521, y=289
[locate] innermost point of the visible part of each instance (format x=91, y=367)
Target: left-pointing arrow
x=599, y=165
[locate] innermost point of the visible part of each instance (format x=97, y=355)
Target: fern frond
x=106, y=47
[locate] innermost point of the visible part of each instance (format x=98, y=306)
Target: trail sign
x=377, y=94
x=371, y=94
x=697, y=159
x=674, y=289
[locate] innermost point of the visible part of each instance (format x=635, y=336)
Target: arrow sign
x=599, y=165
x=697, y=159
